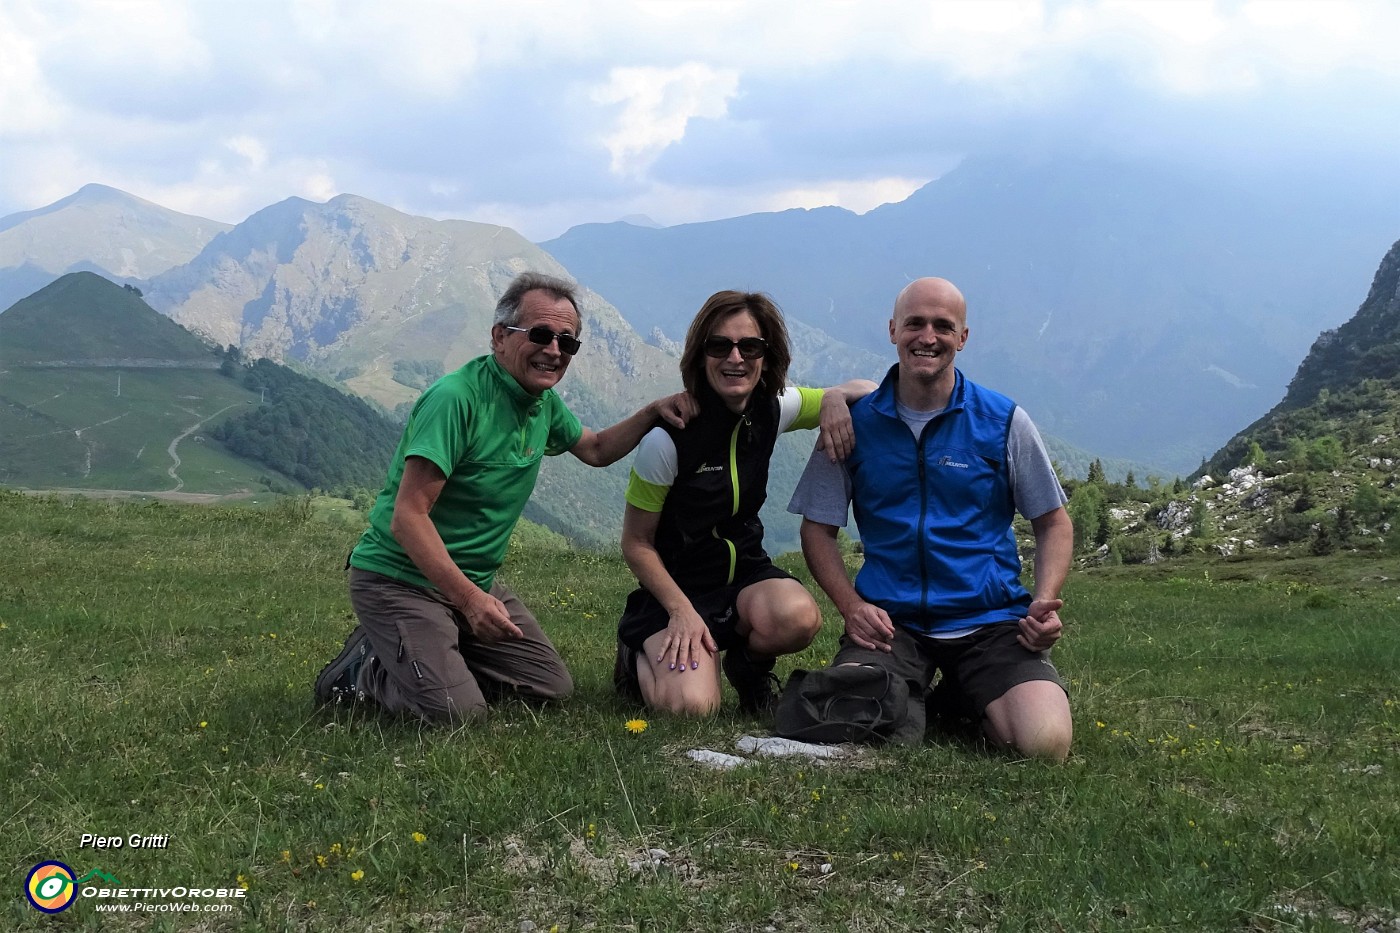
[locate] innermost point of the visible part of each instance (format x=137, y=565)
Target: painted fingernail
x=673, y=666
x=694, y=665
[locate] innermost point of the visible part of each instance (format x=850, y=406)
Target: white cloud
x=319, y=185
x=681, y=110
x=658, y=103
x=859, y=195
x=27, y=104
x=251, y=149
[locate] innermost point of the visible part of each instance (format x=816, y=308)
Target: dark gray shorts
x=980, y=667
x=644, y=616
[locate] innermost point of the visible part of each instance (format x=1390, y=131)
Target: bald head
x=931, y=293
x=929, y=329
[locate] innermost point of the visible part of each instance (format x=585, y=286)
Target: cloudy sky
x=540, y=115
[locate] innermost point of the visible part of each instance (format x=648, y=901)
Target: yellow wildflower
x=636, y=726
x=357, y=875
x=419, y=838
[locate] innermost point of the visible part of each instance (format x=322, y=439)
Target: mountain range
x=96, y=229
x=1136, y=311
x=1140, y=315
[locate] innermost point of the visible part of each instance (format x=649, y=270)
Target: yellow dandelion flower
x=357, y=875
x=793, y=866
x=419, y=838
x=203, y=724
x=636, y=726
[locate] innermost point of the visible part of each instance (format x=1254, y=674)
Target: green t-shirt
x=487, y=435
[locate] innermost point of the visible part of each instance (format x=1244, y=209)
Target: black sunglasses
x=568, y=343
x=750, y=348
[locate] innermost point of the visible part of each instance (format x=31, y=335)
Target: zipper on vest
x=734, y=482
x=923, y=517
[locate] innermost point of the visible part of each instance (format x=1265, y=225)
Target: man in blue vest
x=941, y=466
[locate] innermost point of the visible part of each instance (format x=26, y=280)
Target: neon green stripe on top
x=809, y=414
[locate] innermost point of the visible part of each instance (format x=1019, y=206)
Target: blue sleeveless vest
x=935, y=514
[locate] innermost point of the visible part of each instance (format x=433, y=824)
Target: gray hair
x=508, y=307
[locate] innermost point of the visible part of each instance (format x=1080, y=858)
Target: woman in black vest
x=691, y=532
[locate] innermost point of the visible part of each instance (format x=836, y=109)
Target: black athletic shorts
x=644, y=616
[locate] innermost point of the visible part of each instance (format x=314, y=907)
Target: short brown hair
x=765, y=313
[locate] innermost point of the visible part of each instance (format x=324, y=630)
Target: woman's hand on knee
x=688, y=641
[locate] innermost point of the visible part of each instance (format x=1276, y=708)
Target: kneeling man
x=941, y=465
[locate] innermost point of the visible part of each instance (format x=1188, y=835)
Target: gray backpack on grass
x=848, y=703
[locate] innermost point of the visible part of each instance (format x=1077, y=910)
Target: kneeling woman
x=691, y=532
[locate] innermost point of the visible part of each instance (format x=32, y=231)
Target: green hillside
x=309, y=431
x=99, y=391
x=1317, y=475
x=1344, y=401
x=83, y=317
x=69, y=427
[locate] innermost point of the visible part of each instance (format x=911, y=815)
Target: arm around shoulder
x=600, y=448
x=837, y=435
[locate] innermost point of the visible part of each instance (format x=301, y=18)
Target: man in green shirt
x=435, y=625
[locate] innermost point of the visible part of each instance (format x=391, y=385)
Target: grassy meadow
x=1236, y=762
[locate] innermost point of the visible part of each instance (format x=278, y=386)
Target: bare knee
x=690, y=705
x=1033, y=719
x=784, y=626
x=1050, y=740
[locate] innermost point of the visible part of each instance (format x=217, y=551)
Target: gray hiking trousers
x=427, y=662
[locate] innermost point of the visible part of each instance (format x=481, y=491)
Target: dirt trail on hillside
x=174, y=470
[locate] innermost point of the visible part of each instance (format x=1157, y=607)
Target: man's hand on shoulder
x=677, y=409
x=488, y=618
x=1041, y=627
x=870, y=627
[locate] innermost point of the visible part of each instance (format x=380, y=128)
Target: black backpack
x=847, y=703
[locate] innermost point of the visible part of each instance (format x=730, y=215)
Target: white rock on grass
x=787, y=748
x=713, y=759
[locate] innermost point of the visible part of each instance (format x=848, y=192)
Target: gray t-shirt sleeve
x=823, y=493
x=1034, y=484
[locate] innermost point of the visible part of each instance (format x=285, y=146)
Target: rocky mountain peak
x=1365, y=347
